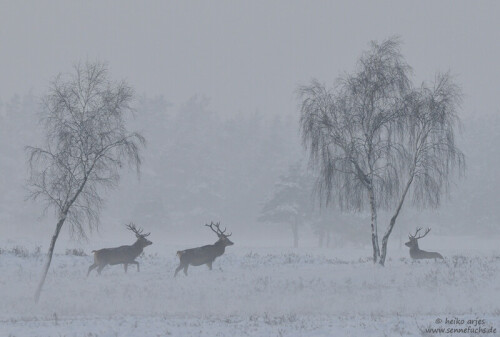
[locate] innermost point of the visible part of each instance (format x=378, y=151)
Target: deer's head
x=221, y=234
x=413, y=243
x=141, y=238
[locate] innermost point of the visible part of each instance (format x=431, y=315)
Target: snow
x=252, y=291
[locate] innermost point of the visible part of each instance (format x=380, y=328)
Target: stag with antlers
x=121, y=255
x=206, y=254
x=415, y=251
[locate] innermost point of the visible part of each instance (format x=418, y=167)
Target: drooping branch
x=375, y=139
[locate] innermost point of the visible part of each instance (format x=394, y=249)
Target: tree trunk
x=373, y=208
x=295, y=230
x=49, y=256
x=385, y=239
x=62, y=218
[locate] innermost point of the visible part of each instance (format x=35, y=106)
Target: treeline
x=201, y=165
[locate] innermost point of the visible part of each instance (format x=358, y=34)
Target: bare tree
x=350, y=131
x=86, y=144
x=430, y=155
x=375, y=137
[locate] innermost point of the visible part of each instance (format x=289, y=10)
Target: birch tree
x=376, y=138
x=86, y=144
x=350, y=131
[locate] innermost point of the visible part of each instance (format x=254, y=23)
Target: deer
x=417, y=253
x=205, y=254
x=121, y=255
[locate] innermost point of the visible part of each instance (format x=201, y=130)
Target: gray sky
x=246, y=55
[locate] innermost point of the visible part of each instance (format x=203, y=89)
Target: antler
x=217, y=230
x=416, y=232
x=138, y=232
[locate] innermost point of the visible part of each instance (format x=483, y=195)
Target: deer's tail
x=95, y=255
x=180, y=253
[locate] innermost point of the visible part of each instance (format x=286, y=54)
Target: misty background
x=215, y=98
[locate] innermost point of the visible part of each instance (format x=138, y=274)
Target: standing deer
x=417, y=253
x=121, y=255
x=206, y=254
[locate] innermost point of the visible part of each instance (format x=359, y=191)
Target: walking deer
x=121, y=255
x=415, y=251
x=205, y=254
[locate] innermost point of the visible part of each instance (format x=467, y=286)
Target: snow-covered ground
x=252, y=292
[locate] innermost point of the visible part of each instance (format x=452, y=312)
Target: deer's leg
x=209, y=265
x=125, y=266
x=136, y=263
x=178, y=269
x=186, y=269
x=100, y=269
x=92, y=267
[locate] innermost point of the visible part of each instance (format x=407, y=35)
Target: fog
x=228, y=71
x=215, y=96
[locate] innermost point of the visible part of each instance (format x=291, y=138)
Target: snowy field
x=251, y=292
